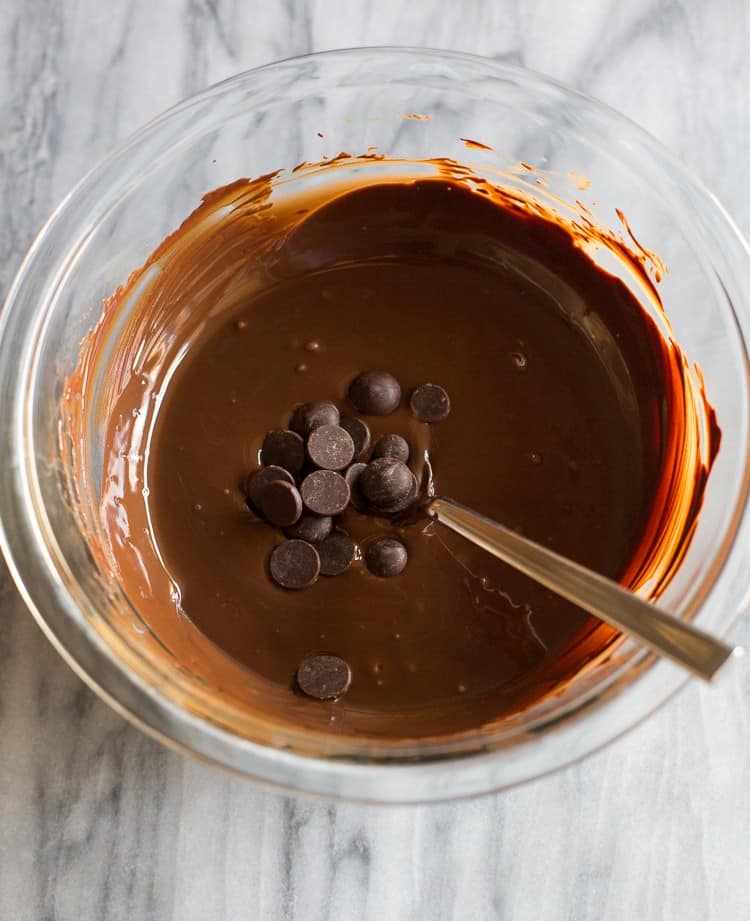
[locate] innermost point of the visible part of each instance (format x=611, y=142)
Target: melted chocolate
x=564, y=397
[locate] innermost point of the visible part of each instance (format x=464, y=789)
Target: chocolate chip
x=430, y=403
x=258, y=481
x=309, y=416
x=392, y=446
x=324, y=677
x=336, y=553
x=283, y=448
x=352, y=476
x=386, y=557
x=385, y=482
x=295, y=564
x=330, y=447
x=325, y=492
x=281, y=504
x=402, y=504
x=360, y=434
x=312, y=528
x=376, y=393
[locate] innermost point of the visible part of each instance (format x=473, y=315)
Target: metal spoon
x=662, y=633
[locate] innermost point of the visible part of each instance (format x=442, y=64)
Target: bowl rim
x=185, y=731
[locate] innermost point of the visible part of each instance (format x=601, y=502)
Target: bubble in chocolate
x=325, y=492
x=258, y=481
x=392, y=446
x=336, y=553
x=324, y=677
x=330, y=447
x=283, y=448
x=359, y=432
x=430, y=403
x=295, y=565
x=385, y=482
x=376, y=393
x=352, y=476
x=312, y=528
x=281, y=504
x=309, y=416
x=386, y=557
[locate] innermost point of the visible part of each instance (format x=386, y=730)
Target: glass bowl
x=410, y=104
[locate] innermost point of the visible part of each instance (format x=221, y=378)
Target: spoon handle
x=662, y=633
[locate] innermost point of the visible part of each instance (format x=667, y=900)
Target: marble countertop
x=98, y=822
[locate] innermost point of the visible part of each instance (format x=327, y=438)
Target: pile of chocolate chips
x=315, y=469
x=312, y=472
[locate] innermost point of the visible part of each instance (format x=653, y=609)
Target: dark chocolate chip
x=360, y=434
x=324, y=677
x=281, y=504
x=352, y=476
x=376, y=393
x=336, y=553
x=283, y=448
x=325, y=492
x=385, y=482
x=312, y=528
x=309, y=416
x=258, y=481
x=402, y=504
x=330, y=447
x=295, y=564
x=386, y=557
x=430, y=403
x=392, y=446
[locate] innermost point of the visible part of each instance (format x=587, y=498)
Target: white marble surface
x=98, y=822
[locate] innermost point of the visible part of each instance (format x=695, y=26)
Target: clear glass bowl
x=307, y=109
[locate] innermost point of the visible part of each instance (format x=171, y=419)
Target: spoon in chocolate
x=659, y=631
